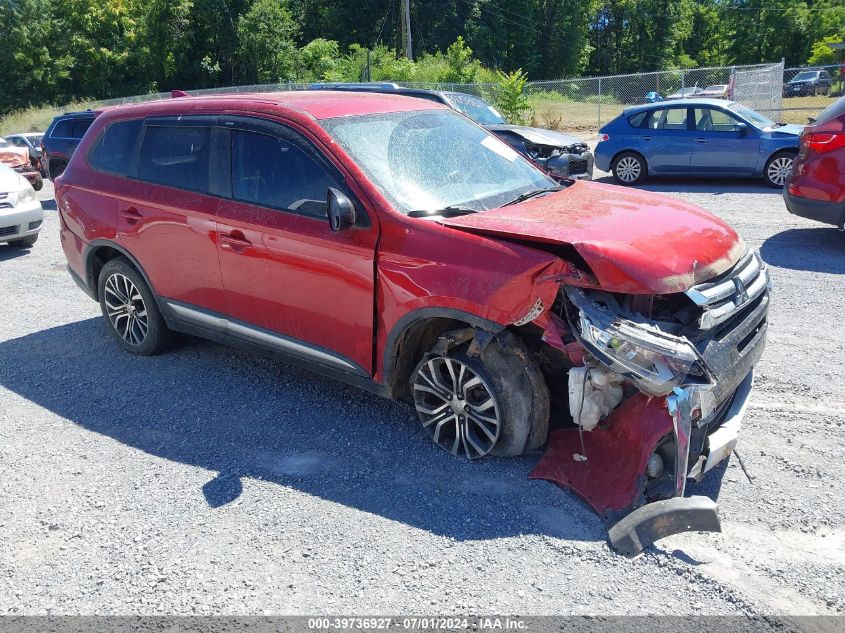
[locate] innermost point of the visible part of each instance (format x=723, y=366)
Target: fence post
x=599, y=105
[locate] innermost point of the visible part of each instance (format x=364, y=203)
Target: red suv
x=816, y=188
x=396, y=245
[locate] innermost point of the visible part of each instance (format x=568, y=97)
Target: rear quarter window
x=637, y=119
x=62, y=129
x=113, y=151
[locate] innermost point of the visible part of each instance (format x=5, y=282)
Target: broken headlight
x=655, y=361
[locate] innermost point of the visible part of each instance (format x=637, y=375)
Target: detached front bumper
x=570, y=166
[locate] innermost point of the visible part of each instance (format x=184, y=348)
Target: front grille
x=577, y=167
x=8, y=230
x=34, y=225
x=723, y=297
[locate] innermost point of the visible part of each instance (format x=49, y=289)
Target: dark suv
x=561, y=155
x=61, y=138
x=808, y=82
x=395, y=244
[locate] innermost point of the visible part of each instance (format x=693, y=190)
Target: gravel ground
x=206, y=481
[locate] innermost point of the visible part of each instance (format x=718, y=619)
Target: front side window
x=113, y=150
x=750, y=115
x=273, y=172
x=176, y=156
x=433, y=159
x=713, y=120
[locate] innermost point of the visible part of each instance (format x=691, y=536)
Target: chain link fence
x=585, y=104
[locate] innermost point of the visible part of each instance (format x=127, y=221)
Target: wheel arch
x=413, y=335
x=631, y=150
x=101, y=251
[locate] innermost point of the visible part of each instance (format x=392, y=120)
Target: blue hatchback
x=696, y=137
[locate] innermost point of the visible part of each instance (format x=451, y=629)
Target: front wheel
x=778, y=168
x=495, y=403
x=629, y=168
x=38, y=184
x=130, y=309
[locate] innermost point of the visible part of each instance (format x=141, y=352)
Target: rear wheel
x=778, y=168
x=57, y=170
x=629, y=168
x=38, y=184
x=495, y=403
x=130, y=309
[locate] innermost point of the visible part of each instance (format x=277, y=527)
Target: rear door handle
x=131, y=215
x=701, y=140
x=647, y=138
x=235, y=241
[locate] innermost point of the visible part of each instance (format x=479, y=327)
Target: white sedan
x=21, y=215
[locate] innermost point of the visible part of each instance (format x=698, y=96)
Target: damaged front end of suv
x=656, y=397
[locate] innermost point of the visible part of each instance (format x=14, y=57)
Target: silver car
x=21, y=214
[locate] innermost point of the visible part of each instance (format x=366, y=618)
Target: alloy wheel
x=779, y=169
x=628, y=169
x=125, y=309
x=456, y=406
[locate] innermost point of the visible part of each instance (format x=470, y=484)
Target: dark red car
x=394, y=244
x=816, y=188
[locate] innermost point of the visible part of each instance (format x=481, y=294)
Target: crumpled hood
x=634, y=242
x=537, y=135
x=14, y=156
x=787, y=130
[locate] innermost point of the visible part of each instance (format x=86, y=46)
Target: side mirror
x=741, y=129
x=340, y=209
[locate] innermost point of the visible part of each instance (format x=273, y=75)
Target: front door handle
x=131, y=215
x=647, y=138
x=701, y=140
x=235, y=241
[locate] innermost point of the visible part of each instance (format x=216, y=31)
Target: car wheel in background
x=26, y=242
x=492, y=403
x=629, y=168
x=38, y=184
x=778, y=168
x=130, y=309
x=57, y=170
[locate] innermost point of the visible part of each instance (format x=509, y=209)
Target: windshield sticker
x=494, y=144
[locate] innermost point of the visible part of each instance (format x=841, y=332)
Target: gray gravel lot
x=208, y=481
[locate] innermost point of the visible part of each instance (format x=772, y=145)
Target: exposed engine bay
x=656, y=396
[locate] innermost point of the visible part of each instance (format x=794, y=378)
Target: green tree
x=461, y=66
x=33, y=72
x=510, y=98
x=318, y=60
x=267, y=47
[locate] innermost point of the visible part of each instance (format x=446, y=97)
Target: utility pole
x=405, y=7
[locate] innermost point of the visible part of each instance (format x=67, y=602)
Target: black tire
x=629, y=168
x=507, y=376
x=130, y=310
x=57, y=170
x=26, y=242
x=778, y=168
x=38, y=185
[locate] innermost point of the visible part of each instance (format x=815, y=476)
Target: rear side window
x=176, y=156
x=63, y=129
x=667, y=119
x=79, y=127
x=113, y=150
x=273, y=172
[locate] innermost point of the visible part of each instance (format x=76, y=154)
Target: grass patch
x=36, y=119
